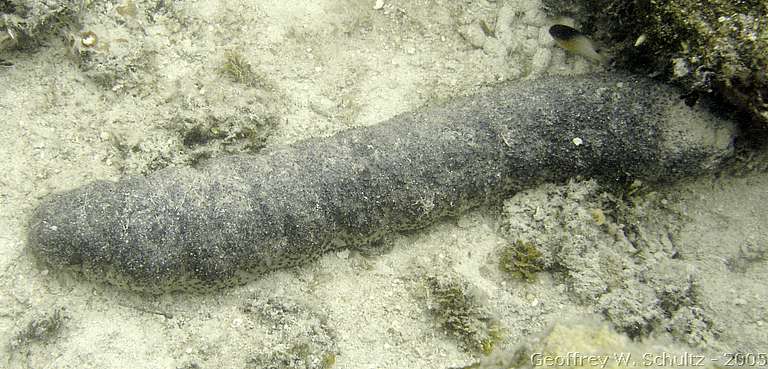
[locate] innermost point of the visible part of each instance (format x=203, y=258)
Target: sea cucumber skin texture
x=237, y=217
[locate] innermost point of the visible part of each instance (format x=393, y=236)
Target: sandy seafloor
x=681, y=268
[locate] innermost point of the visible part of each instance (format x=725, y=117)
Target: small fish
x=574, y=41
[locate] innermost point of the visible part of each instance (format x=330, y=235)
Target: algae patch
x=456, y=308
x=303, y=339
x=35, y=334
x=521, y=260
x=237, y=68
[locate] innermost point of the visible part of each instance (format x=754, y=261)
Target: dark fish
x=574, y=41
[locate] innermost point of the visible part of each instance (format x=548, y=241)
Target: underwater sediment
x=236, y=217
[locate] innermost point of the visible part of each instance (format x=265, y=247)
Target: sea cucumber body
x=239, y=216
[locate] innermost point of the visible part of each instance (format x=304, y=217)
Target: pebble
x=475, y=35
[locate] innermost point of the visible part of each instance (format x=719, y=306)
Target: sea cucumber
x=237, y=217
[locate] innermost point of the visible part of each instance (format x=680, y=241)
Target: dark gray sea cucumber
x=239, y=216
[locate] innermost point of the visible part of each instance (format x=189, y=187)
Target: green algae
x=457, y=310
x=521, y=260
